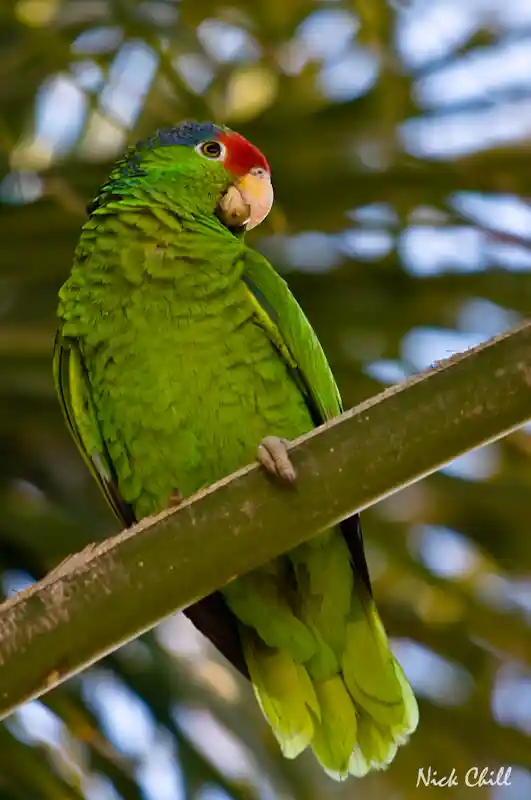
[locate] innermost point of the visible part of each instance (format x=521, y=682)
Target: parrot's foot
x=273, y=455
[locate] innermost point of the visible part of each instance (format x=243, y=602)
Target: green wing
x=73, y=389
x=293, y=336
x=209, y=615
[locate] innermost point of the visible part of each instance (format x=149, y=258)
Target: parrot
x=181, y=355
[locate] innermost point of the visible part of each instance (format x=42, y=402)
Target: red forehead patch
x=241, y=154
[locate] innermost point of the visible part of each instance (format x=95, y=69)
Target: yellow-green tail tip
x=354, y=720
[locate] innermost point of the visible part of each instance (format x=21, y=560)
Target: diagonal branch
x=111, y=592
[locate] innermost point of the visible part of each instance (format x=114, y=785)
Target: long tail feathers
x=355, y=720
x=336, y=735
x=319, y=659
x=285, y=694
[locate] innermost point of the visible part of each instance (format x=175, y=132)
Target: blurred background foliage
x=399, y=138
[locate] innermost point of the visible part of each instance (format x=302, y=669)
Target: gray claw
x=273, y=455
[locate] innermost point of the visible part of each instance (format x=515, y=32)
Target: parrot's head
x=207, y=167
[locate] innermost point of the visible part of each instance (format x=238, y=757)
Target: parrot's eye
x=213, y=150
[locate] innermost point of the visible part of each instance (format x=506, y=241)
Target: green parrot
x=181, y=356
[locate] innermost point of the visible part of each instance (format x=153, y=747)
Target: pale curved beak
x=248, y=201
x=257, y=192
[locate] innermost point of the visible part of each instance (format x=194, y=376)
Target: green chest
x=191, y=398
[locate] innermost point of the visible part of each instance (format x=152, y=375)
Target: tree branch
x=111, y=592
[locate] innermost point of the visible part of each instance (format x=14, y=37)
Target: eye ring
x=211, y=149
